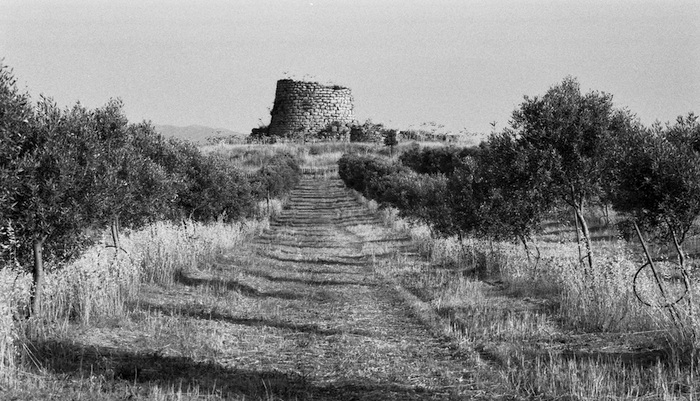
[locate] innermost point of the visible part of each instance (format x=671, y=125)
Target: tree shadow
x=598, y=233
x=407, y=250
x=400, y=240
x=315, y=270
x=643, y=359
x=241, y=288
x=144, y=370
x=197, y=312
x=309, y=281
x=318, y=261
x=301, y=244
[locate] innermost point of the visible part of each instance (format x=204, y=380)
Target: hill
x=196, y=133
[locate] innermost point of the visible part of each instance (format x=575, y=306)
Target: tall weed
x=102, y=281
x=13, y=289
x=167, y=250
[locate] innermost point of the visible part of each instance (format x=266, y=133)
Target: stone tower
x=305, y=108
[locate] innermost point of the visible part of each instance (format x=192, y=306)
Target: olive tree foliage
x=201, y=187
x=437, y=160
x=655, y=182
x=391, y=140
x=494, y=191
x=127, y=187
x=565, y=131
x=54, y=186
x=656, y=176
x=512, y=184
x=464, y=201
x=16, y=113
x=215, y=190
x=71, y=169
x=63, y=171
x=419, y=197
x=277, y=176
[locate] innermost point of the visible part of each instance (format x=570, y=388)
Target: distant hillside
x=196, y=133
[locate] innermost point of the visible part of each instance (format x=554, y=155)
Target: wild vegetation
x=68, y=171
x=565, y=151
x=557, y=257
x=69, y=174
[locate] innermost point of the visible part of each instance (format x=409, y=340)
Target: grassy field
x=294, y=312
x=334, y=298
x=551, y=330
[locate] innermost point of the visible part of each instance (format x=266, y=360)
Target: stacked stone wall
x=304, y=109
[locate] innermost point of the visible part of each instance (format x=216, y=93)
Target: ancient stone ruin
x=309, y=109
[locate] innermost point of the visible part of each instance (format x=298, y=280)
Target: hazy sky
x=461, y=63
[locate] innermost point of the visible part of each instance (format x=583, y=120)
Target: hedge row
x=66, y=172
x=442, y=159
x=279, y=175
x=564, y=149
x=417, y=196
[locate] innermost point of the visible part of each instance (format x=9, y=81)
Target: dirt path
x=352, y=337
x=299, y=314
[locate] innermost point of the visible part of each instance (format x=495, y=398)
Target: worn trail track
x=361, y=340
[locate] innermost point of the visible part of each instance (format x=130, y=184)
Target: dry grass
x=97, y=288
x=201, y=312
x=552, y=330
x=314, y=156
x=294, y=314
x=169, y=250
x=10, y=292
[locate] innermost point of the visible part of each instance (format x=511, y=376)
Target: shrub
x=358, y=171
x=279, y=175
x=261, y=134
x=439, y=160
x=335, y=131
x=418, y=197
x=66, y=171
x=216, y=190
x=367, y=132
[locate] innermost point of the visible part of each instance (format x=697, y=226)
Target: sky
x=464, y=64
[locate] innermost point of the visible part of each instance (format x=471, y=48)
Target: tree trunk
x=606, y=214
x=650, y=262
x=114, y=228
x=586, y=235
x=38, y=275
x=539, y=254
x=527, y=249
x=577, y=204
x=578, y=237
x=684, y=272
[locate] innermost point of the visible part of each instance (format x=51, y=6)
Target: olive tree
x=658, y=177
x=16, y=113
x=657, y=186
x=53, y=169
x=512, y=182
x=565, y=130
x=130, y=188
x=65, y=170
x=390, y=140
